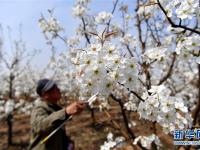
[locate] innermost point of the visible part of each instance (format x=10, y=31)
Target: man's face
x=53, y=95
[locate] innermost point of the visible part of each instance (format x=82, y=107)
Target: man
x=47, y=116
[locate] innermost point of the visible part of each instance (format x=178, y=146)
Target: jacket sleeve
x=41, y=121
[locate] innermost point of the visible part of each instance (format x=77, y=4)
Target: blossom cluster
x=103, y=17
x=189, y=46
x=169, y=111
x=80, y=8
x=155, y=53
x=128, y=39
x=50, y=26
x=147, y=140
x=112, y=142
x=99, y=62
x=24, y=79
x=21, y=106
x=183, y=9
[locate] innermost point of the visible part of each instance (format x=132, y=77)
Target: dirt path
x=81, y=129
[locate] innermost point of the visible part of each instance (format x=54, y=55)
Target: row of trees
x=17, y=85
x=19, y=77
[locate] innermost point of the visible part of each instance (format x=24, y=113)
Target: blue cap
x=44, y=85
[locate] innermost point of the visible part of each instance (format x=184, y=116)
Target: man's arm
x=42, y=122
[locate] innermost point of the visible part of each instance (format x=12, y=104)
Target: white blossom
x=128, y=39
x=155, y=53
x=50, y=26
x=103, y=17
x=159, y=106
x=79, y=10
x=111, y=142
x=9, y=106
x=147, y=140
x=131, y=106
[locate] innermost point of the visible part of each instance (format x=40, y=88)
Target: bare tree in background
x=14, y=62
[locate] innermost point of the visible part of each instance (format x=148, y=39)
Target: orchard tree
x=149, y=64
x=13, y=66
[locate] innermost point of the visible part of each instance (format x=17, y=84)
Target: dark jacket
x=45, y=118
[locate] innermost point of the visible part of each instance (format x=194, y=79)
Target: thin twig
x=84, y=28
x=169, y=73
x=115, y=5
x=173, y=24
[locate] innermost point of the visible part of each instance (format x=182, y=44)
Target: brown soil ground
x=86, y=134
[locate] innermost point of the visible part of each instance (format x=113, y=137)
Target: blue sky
x=27, y=12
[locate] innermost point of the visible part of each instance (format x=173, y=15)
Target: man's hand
x=75, y=108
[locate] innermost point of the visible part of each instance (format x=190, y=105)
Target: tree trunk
x=10, y=116
x=197, y=109
x=9, y=123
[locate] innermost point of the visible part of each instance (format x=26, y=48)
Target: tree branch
x=197, y=109
x=132, y=92
x=129, y=50
x=84, y=28
x=115, y=5
x=131, y=134
x=175, y=25
x=169, y=71
x=138, y=24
